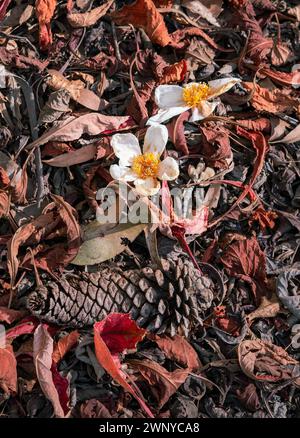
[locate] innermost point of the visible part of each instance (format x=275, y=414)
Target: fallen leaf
x=112, y=365
x=119, y=332
x=97, y=250
x=244, y=259
x=162, y=383
x=91, y=124
x=86, y=19
x=10, y=315
x=93, y=408
x=281, y=54
x=8, y=370
x=249, y=398
x=273, y=101
x=143, y=13
x=267, y=362
x=85, y=153
x=174, y=73
x=200, y=10
x=268, y=308
x=176, y=132
x=44, y=11
x=76, y=89
x=42, y=354
x=64, y=345
x=179, y=349
x=292, y=137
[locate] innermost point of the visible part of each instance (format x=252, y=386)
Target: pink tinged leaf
x=42, y=354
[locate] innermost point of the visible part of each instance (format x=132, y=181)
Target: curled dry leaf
x=64, y=345
x=273, y=101
x=176, y=132
x=267, y=362
x=44, y=11
x=143, y=13
x=8, y=370
x=42, y=354
x=174, y=73
x=163, y=383
x=180, y=350
x=76, y=89
x=86, y=19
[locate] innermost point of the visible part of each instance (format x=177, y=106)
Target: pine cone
x=165, y=301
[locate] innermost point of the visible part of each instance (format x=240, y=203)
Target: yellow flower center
x=194, y=94
x=146, y=165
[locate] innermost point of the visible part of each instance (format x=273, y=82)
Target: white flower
x=199, y=97
x=144, y=169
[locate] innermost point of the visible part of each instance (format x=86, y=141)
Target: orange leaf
x=64, y=345
x=143, y=13
x=8, y=370
x=44, y=12
x=174, y=73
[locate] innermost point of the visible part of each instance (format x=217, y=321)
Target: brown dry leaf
x=64, y=345
x=143, y=13
x=178, y=349
x=76, y=89
x=244, y=259
x=77, y=156
x=267, y=362
x=292, y=137
x=249, y=398
x=89, y=18
x=163, y=383
x=268, y=308
x=42, y=355
x=281, y=54
x=295, y=11
x=93, y=408
x=8, y=370
x=215, y=146
x=273, y=101
x=91, y=124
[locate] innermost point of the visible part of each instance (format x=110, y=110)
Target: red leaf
x=176, y=132
x=8, y=370
x=119, y=332
x=25, y=327
x=244, y=259
x=125, y=336
x=3, y=8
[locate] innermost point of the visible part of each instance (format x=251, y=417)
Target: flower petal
x=156, y=139
x=205, y=110
x=166, y=114
x=168, y=169
x=122, y=173
x=220, y=86
x=147, y=187
x=126, y=147
x=168, y=96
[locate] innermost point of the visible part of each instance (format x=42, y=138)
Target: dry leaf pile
x=218, y=334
